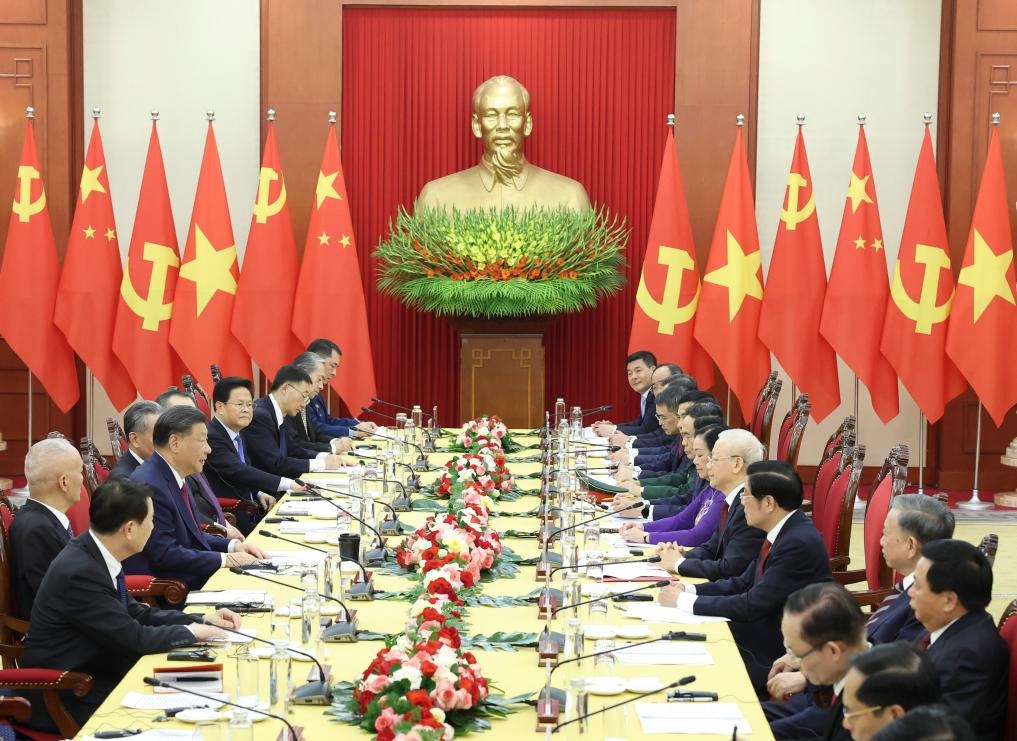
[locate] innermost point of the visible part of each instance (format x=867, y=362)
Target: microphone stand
x=296, y=733
x=412, y=482
x=387, y=527
x=362, y=591
x=373, y=557
x=421, y=464
x=583, y=718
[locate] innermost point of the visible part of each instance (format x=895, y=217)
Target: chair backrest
x=216, y=373
x=7, y=601
x=1008, y=632
x=989, y=546
x=835, y=525
x=765, y=421
x=845, y=427
x=788, y=447
x=117, y=438
x=764, y=392
x=194, y=390
x=878, y=574
x=100, y=465
x=828, y=471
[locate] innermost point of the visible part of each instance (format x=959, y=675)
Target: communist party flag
x=980, y=339
x=28, y=284
x=727, y=321
x=921, y=293
x=664, y=327
x=141, y=333
x=330, y=296
x=203, y=303
x=86, y=304
x=856, y=295
x=263, y=307
x=795, y=288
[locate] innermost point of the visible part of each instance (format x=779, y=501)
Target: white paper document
x=651, y=612
x=227, y=596
x=634, y=571
x=147, y=701
x=662, y=652
x=692, y=718
x=162, y=734
x=299, y=528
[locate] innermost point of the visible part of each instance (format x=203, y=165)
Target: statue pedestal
x=501, y=370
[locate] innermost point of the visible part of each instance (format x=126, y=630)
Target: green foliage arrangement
x=503, y=263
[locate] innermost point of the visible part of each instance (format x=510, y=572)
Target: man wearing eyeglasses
x=228, y=469
x=268, y=443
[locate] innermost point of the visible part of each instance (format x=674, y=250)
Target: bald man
x=41, y=529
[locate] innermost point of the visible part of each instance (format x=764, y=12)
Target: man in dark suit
x=792, y=554
x=638, y=370
x=953, y=586
x=330, y=353
x=824, y=630
x=41, y=528
x=735, y=544
x=302, y=425
x=83, y=618
x=178, y=548
x=139, y=419
x=269, y=444
x=227, y=468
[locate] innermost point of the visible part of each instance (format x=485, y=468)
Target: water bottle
x=241, y=728
x=279, y=675
x=247, y=676
x=410, y=432
x=576, y=704
x=577, y=423
x=559, y=411
x=417, y=416
x=435, y=427
x=310, y=616
x=572, y=647
x=357, y=481
x=571, y=590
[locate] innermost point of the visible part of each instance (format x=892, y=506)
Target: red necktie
x=924, y=643
x=186, y=494
x=763, y=553
x=723, y=515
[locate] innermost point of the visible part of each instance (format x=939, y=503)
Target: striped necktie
x=122, y=588
x=887, y=603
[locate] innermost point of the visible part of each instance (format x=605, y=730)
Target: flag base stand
x=974, y=503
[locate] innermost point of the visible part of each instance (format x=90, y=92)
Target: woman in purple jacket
x=695, y=524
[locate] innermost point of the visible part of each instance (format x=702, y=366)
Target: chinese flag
x=86, y=306
x=330, y=296
x=203, y=303
x=141, y=334
x=727, y=322
x=664, y=325
x=28, y=285
x=921, y=292
x=795, y=288
x=980, y=339
x=857, y=293
x=263, y=307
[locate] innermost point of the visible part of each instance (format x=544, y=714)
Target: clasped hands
x=208, y=629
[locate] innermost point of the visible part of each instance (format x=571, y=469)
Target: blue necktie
x=282, y=439
x=122, y=588
x=240, y=449
x=70, y=533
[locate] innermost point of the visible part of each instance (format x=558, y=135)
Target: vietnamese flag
x=980, y=338
x=263, y=306
x=141, y=333
x=330, y=295
x=921, y=294
x=668, y=293
x=858, y=290
x=727, y=321
x=203, y=303
x=795, y=289
x=28, y=284
x=86, y=305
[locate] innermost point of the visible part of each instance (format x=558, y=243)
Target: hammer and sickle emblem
x=24, y=206
x=264, y=208
x=152, y=310
x=667, y=312
x=924, y=312
x=793, y=216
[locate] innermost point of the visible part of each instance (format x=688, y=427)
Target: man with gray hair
x=302, y=424
x=735, y=544
x=41, y=528
x=139, y=419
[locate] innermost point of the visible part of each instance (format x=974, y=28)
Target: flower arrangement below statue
x=487, y=470
x=484, y=432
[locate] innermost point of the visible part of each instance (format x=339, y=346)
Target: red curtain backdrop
x=601, y=84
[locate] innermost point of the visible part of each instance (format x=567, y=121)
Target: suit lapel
x=176, y=497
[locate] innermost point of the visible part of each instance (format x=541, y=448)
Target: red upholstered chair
x=216, y=373
x=1008, y=631
x=117, y=438
x=99, y=464
x=828, y=470
x=762, y=420
x=835, y=523
x=792, y=429
x=764, y=391
x=989, y=546
x=194, y=390
x=876, y=574
x=848, y=425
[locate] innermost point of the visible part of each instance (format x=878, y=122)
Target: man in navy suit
x=84, y=620
x=139, y=420
x=270, y=444
x=178, y=548
x=227, y=469
x=638, y=369
x=792, y=554
x=953, y=586
x=41, y=528
x=735, y=544
x=330, y=353
x=302, y=425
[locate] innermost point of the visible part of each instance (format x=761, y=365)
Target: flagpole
x=975, y=502
x=29, y=407
x=921, y=450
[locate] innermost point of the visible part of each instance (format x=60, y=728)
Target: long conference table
x=511, y=673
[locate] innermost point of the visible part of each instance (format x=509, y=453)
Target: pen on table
x=734, y=734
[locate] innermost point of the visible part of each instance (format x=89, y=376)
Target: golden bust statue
x=501, y=119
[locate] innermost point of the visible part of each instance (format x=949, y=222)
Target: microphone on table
x=653, y=585
x=361, y=591
x=611, y=448
x=388, y=527
x=294, y=735
x=594, y=410
x=315, y=692
x=421, y=463
x=373, y=557
x=344, y=631
x=650, y=559
x=555, y=532
x=583, y=717
x=412, y=483
x=434, y=428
